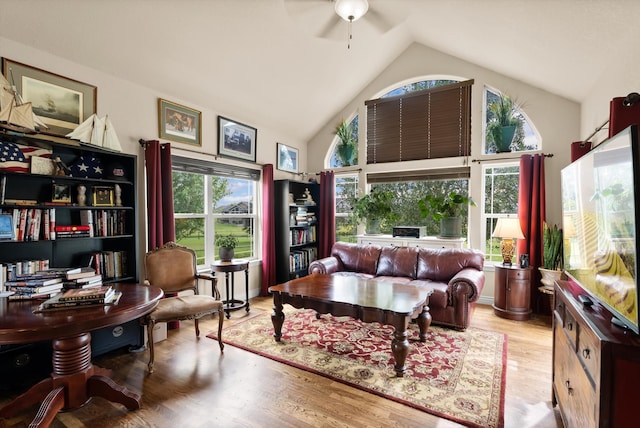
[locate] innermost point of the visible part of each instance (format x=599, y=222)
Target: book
x=36, y=289
x=54, y=303
x=38, y=282
x=92, y=293
x=82, y=273
x=72, y=228
x=33, y=296
x=86, y=279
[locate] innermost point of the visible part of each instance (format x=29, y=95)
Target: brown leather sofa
x=455, y=275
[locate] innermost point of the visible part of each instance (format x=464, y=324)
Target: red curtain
x=532, y=214
x=327, y=221
x=157, y=159
x=268, y=231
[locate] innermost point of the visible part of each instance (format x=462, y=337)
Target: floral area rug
x=454, y=375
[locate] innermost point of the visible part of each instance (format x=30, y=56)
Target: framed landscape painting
x=179, y=123
x=60, y=102
x=236, y=140
x=287, y=158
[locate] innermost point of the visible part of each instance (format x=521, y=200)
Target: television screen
x=599, y=211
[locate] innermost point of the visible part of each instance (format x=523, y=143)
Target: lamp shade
x=508, y=228
x=351, y=10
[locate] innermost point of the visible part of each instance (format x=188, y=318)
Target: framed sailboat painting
x=61, y=103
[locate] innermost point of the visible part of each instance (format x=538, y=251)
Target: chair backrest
x=171, y=267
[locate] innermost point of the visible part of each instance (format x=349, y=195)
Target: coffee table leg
x=400, y=347
x=424, y=322
x=277, y=317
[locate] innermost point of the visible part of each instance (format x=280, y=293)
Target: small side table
x=512, y=293
x=228, y=268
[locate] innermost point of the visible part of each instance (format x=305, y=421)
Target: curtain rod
x=628, y=101
x=144, y=143
x=546, y=155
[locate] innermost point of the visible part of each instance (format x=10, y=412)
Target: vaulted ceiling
x=285, y=63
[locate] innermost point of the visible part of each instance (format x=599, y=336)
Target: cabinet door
x=518, y=292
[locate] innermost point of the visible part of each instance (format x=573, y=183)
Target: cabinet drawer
x=589, y=352
x=520, y=274
x=571, y=328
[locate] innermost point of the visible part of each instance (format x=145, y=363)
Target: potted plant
x=447, y=210
x=552, y=255
x=504, y=119
x=373, y=208
x=347, y=148
x=226, y=245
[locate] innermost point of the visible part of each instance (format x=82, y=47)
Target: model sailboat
x=97, y=132
x=15, y=114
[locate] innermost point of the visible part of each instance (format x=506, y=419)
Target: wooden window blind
x=455, y=173
x=430, y=124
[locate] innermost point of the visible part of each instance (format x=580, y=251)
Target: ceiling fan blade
x=376, y=19
x=328, y=30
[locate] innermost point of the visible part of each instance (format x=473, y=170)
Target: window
x=346, y=190
x=507, y=128
x=500, y=200
x=345, y=147
x=212, y=199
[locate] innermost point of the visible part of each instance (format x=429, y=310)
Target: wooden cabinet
x=512, y=294
x=596, y=365
x=426, y=242
x=31, y=196
x=296, y=227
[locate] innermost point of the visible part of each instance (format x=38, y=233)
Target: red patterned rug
x=454, y=375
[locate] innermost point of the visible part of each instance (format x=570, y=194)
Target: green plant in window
x=226, y=241
x=504, y=120
x=447, y=206
x=374, y=208
x=347, y=148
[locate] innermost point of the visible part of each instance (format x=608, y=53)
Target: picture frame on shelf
x=179, y=123
x=42, y=166
x=103, y=196
x=62, y=103
x=61, y=193
x=236, y=140
x=287, y=158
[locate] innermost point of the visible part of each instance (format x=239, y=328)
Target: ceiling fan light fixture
x=351, y=10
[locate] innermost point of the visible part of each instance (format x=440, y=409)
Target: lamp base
x=507, y=248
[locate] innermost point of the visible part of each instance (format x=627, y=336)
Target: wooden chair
x=172, y=268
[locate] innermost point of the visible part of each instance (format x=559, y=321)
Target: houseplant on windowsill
x=226, y=245
x=504, y=119
x=373, y=209
x=551, y=256
x=447, y=210
x=347, y=148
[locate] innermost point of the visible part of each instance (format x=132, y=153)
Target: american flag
x=88, y=166
x=15, y=157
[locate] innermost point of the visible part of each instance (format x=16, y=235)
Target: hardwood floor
x=193, y=385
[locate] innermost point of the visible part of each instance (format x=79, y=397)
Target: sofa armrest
x=326, y=265
x=468, y=281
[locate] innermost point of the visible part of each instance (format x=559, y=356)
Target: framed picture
x=236, y=140
x=61, y=193
x=102, y=196
x=60, y=102
x=287, y=159
x=179, y=123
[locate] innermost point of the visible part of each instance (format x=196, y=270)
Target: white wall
x=133, y=110
x=557, y=119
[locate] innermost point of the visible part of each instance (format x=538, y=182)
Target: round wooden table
x=74, y=379
x=230, y=302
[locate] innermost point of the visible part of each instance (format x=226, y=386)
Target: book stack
x=85, y=277
x=74, y=231
x=34, y=286
x=82, y=297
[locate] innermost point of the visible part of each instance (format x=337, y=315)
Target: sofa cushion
x=398, y=261
x=443, y=264
x=440, y=297
x=357, y=259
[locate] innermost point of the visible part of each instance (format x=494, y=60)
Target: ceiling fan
x=333, y=19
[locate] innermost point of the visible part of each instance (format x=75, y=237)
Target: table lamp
x=508, y=229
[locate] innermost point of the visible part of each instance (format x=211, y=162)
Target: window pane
x=345, y=230
x=500, y=200
x=232, y=195
x=346, y=190
x=188, y=193
x=492, y=248
x=190, y=233
x=502, y=113
x=346, y=154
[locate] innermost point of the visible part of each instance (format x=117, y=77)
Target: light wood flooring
x=195, y=386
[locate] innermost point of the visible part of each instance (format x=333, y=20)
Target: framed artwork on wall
x=179, y=123
x=236, y=140
x=287, y=158
x=60, y=102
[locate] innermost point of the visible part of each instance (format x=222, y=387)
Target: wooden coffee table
x=363, y=299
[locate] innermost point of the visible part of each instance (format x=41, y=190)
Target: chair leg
x=150, y=326
x=220, y=321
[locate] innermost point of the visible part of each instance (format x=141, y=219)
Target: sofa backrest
x=443, y=264
x=357, y=258
x=398, y=261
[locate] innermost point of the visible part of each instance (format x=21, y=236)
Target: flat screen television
x=600, y=207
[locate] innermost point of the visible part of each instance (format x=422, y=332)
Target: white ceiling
x=260, y=61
